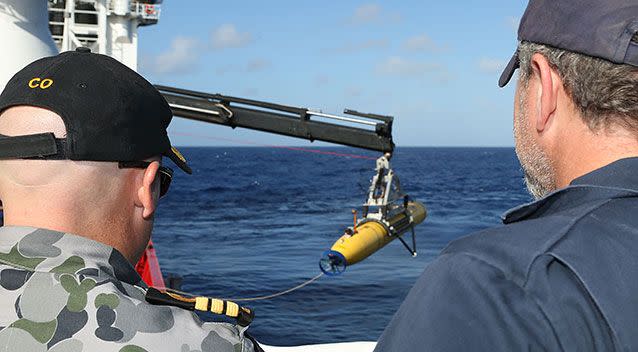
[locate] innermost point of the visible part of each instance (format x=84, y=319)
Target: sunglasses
x=166, y=173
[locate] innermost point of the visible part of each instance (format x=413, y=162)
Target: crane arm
x=284, y=120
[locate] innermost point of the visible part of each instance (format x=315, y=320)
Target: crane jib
x=284, y=120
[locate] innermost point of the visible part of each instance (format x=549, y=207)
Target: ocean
x=255, y=221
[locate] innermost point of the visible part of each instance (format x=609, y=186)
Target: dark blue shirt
x=561, y=274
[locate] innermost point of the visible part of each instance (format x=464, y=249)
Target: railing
x=146, y=13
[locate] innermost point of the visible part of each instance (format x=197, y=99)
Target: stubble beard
x=540, y=176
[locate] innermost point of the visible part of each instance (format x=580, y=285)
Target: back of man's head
x=593, y=46
x=604, y=93
x=577, y=97
x=64, y=194
x=81, y=137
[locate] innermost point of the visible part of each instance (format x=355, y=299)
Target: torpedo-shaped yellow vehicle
x=395, y=215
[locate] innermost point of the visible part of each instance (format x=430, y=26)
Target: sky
x=433, y=65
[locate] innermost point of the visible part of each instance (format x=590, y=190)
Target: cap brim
x=507, y=74
x=179, y=160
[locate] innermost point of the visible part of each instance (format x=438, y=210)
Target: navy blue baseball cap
x=605, y=29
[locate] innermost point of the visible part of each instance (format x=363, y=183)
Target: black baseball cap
x=111, y=113
x=605, y=29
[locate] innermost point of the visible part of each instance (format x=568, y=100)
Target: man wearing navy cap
x=81, y=143
x=561, y=274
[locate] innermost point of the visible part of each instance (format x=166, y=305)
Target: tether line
x=259, y=298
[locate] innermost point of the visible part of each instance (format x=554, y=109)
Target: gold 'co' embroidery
x=40, y=83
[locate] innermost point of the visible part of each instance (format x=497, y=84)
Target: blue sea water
x=254, y=221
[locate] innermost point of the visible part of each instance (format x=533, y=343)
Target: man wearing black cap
x=561, y=273
x=81, y=142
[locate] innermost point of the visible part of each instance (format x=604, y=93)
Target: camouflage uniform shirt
x=65, y=293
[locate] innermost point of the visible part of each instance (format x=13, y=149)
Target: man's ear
x=146, y=193
x=549, y=85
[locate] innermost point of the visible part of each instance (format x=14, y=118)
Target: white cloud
x=227, y=36
x=353, y=47
x=180, y=58
x=397, y=66
x=422, y=42
x=373, y=13
x=491, y=65
x=184, y=53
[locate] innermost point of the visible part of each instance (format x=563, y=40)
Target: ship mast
x=108, y=27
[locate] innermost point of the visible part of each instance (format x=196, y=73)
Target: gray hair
x=605, y=94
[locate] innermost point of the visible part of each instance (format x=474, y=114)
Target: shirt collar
x=619, y=178
x=45, y=250
x=621, y=173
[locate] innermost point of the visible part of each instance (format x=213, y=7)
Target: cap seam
x=70, y=128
